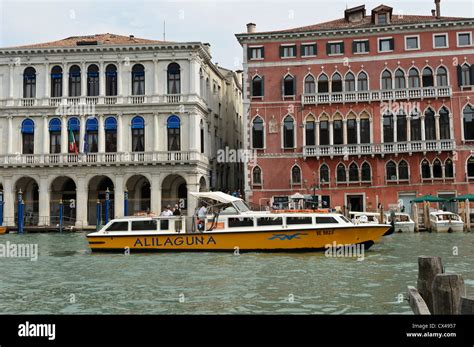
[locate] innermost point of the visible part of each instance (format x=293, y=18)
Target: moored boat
x=229, y=225
x=443, y=221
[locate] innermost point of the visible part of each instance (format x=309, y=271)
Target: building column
x=45, y=135
x=47, y=77
x=317, y=133
x=45, y=198
x=119, y=133
x=395, y=135
x=119, y=79
x=451, y=128
x=156, y=133
x=331, y=133
x=193, y=128
x=155, y=203
x=65, y=81
x=155, y=77
x=10, y=90
x=9, y=199
x=423, y=135
x=64, y=135
x=344, y=131
x=101, y=134
x=82, y=205
x=118, y=196
x=358, y=130
x=192, y=201
x=83, y=80
x=101, y=79
x=82, y=132
x=437, y=130
x=408, y=128
x=10, y=135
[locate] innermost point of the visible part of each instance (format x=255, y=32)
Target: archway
x=63, y=188
x=138, y=188
x=30, y=195
x=174, y=191
x=97, y=190
x=203, y=185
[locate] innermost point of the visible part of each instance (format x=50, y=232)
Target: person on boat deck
x=167, y=212
x=202, y=216
x=176, y=210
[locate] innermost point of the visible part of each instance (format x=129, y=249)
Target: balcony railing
x=179, y=157
x=378, y=149
x=376, y=95
x=102, y=100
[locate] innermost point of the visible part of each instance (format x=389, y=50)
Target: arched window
x=110, y=126
x=138, y=79
x=202, y=136
x=111, y=80
x=391, y=171
x=352, y=130
x=428, y=80
x=138, y=134
x=74, y=81
x=470, y=167
x=29, y=83
x=324, y=132
x=415, y=127
x=442, y=77
x=362, y=82
x=257, y=133
x=353, y=173
x=425, y=169
x=73, y=127
x=295, y=175
x=468, y=121
x=288, y=132
x=324, y=174
x=174, y=79
x=257, y=86
x=257, y=176
x=388, y=128
x=448, y=168
x=91, y=140
x=289, y=85
x=93, y=80
x=323, y=84
x=56, y=82
x=364, y=128
x=399, y=79
x=366, y=172
x=350, y=82
x=403, y=170
x=437, y=169
x=310, y=132
x=309, y=85
x=338, y=132
x=464, y=73
x=401, y=127
x=55, y=136
x=28, y=136
x=174, y=133
x=336, y=83
x=413, y=78
x=386, y=80
x=444, y=126
x=430, y=130
x=341, y=173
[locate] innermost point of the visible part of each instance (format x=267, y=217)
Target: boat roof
x=357, y=213
x=218, y=196
x=442, y=212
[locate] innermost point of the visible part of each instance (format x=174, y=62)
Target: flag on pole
x=72, y=143
x=86, y=143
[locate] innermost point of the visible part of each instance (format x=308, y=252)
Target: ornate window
x=403, y=170
x=413, y=78
x=444, y=124
x=55, y=136
x=415, y=127
x=310, y=132
x=448, y=168
x=336, y=83
x=74, y=81
x=430, y=129
x=351, y=131
x=73, y=128
x=338, y=133
x=324, y=132
x=425, y=169
x=29, y=83
x=56, y=82
x=289, y=85
x=309, y=85
x=391, y=171
x=437, y=169
x=366, y=172
x=138, y=134
x=257, y=175
x=257, y=86
x=442, y=77
x=257, y=133
x=174, y=79
x=174, y=133
x=28, y=136
x=138, y=79
x=350, y=82
x=110, y=126
x=295, y=175
x=401, y=127
x=353, y=173
x=386, y=80
x=111, y=80
x=399, y=79
x=341, y=173
x=468, y=121
x=428, y=79
x=288, y=132
x=323, y=84
x=324, y=174
x=93, y=80
x=362, y=82
x=91, y=140
x=388, y=128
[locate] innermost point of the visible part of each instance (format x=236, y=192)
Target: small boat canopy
x=428, y=198
x=218, y=196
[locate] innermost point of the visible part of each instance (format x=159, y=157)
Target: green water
x=68, y=279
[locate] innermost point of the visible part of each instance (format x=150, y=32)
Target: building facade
x=360, y=111
x=138, y=120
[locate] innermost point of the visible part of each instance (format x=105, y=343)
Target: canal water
x=68, y=279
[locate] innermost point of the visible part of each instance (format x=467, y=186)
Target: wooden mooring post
x=438, y=293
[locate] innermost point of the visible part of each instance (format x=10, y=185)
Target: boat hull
x=447, y=228
x=269, y=241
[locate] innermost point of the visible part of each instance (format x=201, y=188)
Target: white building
x=138, y=117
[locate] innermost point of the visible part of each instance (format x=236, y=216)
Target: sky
x=34, y=21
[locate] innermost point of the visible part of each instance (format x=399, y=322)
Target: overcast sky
x=33, y=21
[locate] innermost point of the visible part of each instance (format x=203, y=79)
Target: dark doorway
x=355, y=203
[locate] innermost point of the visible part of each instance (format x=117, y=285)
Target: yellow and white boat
x=230, y=225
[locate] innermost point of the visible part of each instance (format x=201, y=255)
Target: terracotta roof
x=90, y=40
x=366, y=22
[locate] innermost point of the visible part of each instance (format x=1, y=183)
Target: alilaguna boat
x=229, y=226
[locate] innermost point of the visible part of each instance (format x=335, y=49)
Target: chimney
x=438, y=8
x=433, y=13
x=251, y=28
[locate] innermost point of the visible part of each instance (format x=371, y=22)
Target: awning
x=429, y=198
x=465, y=197
x=218, y=196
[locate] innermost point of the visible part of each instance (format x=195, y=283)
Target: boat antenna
x=164, y=30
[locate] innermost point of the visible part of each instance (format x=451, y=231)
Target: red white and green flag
x=73, y=148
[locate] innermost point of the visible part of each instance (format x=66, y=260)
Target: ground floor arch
x=63, y=189
x=138, y=188
x=29, y=189
x=174, y=191
x=203, y=186
x=98, y=188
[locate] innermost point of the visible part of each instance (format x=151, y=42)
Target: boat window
x=240, y=222
x=118, y=226
x=269, y=221
x=241, y=206
x=345, y=219
x=144, y=225
x=326, y=220
x=299, y=220
x=164, y=224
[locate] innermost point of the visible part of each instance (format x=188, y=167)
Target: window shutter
x=342, y=47
x=315, y=49
x=283, y=86
x=262, y=89
x=281, y=51
x=328, y=48
x=249, y=53
x=251, y=87
x=263, y=52
x=354, y=46
x=294, y=85
x=367, y=46
x=296, y=50
x=392, y=44
x=459, y=72
x=471, y=69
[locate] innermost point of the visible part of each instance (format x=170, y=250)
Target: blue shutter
x=28, y=127
x=92, y=124
x=73, y=124
x=173, y=122
x=55, y=125
x=110, y=124
x=138, y=123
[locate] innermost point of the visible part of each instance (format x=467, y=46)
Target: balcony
x=376, y=95
x=379, y=149
x=98, y=159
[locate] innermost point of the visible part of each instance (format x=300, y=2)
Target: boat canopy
x=218, y=196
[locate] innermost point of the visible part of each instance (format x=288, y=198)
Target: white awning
x=218, y=196
x=297, y=196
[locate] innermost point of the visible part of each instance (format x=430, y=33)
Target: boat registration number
x=324, y=232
